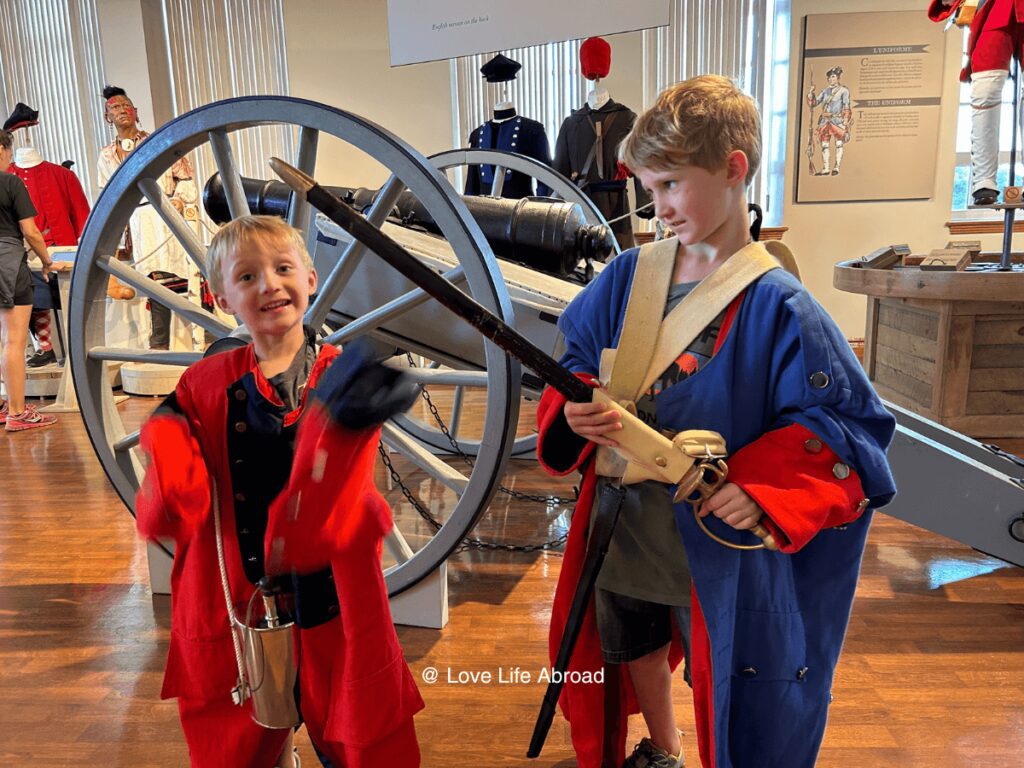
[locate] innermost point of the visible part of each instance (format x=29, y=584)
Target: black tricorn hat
x=837, y=71
x=500, y=69
x=22, y=117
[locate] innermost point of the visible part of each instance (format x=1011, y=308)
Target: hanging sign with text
x=444, y=29
x=869, y=107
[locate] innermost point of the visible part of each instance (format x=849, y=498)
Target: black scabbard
x=608, y=508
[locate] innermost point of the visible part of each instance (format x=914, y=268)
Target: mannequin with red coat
x=997, y=34
x=62, y=209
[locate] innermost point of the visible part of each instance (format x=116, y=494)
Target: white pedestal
x=150, y=379
x=426, y=604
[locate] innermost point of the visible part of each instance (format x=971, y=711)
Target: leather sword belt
x=605, y=186
x=310, y=599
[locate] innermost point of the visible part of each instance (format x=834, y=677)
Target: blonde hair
x=696, y=122
x=244, y=231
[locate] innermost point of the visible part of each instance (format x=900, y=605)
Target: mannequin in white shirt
x=27, y=157
x=599, y=96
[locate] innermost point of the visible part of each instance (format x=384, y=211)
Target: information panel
x=869, y=107
x=443, y=29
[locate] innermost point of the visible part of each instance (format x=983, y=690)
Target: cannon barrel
x=542, y=233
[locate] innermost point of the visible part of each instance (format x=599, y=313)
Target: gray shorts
x=15, y=276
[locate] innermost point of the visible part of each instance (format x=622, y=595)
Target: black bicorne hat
x=22, y=117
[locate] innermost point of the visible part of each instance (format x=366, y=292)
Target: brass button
x=244, y=531
x=239, y=394
x=863, y=505
x=812, y=445
x=820, y=380
x=841, y=471
x=240, y=497
x=240, y=426
x=661, y=461
x=801, y=673
x=749, y=672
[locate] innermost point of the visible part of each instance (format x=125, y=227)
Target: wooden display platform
x=946, y=345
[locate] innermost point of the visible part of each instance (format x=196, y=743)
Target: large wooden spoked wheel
x=135, y=181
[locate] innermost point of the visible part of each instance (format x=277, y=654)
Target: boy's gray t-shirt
x=290, y=383
x=646, y=558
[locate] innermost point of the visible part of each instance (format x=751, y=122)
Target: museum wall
x=125, y=60
x=821, y=234
x=340, y=57
x=338, y=54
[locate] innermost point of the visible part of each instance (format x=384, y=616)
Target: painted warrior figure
x=834, y=121
x=148, y=242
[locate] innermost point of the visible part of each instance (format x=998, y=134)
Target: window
x=50, y=59
x=747, y=40
x=962, y=171
x=547, y=88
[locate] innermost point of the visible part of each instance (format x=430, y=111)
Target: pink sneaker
x=30, y=418
x=3, y=413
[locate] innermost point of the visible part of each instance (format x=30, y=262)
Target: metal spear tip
x=292, y=176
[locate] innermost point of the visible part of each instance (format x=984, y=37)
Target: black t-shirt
x=15, y=205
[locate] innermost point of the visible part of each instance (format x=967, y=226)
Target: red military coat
x=57, y=195
x=992, y=14
x=356, y=687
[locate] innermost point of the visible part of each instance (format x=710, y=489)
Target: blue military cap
x=500, y=69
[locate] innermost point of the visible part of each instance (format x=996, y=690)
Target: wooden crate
x=960, y=363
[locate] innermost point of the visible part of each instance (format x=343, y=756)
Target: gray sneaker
x=647, y=755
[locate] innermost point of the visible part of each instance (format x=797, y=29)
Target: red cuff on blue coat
x=559, y=449
x=800, y=483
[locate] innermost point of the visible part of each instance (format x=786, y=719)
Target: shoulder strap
x=703, y=304
x=645, y=309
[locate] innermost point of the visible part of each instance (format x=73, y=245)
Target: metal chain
x=541, y=499
x=469, y=542
x=472, y=542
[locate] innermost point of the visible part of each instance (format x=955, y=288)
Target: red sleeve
x=174, y=498
x=331, y=503
x=939, y=12
x=800, y=483
x=559, y=449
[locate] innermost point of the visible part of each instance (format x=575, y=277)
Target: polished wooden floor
x=932, y=674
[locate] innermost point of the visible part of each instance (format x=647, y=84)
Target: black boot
x=39, y=359
x=985, y=196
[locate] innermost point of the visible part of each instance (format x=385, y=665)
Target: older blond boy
x=291, y=479
x=807, y=436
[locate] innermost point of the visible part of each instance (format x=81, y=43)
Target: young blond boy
x=293, y=479
x=807, y=438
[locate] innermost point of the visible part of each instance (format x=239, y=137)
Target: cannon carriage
x=360, y=295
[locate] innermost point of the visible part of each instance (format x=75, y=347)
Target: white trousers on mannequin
x=986, y=98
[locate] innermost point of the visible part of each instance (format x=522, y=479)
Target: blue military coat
x=807, y=438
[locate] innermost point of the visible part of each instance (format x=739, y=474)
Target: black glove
x=359, y=392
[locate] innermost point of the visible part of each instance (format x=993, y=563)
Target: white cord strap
x=241, y=691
